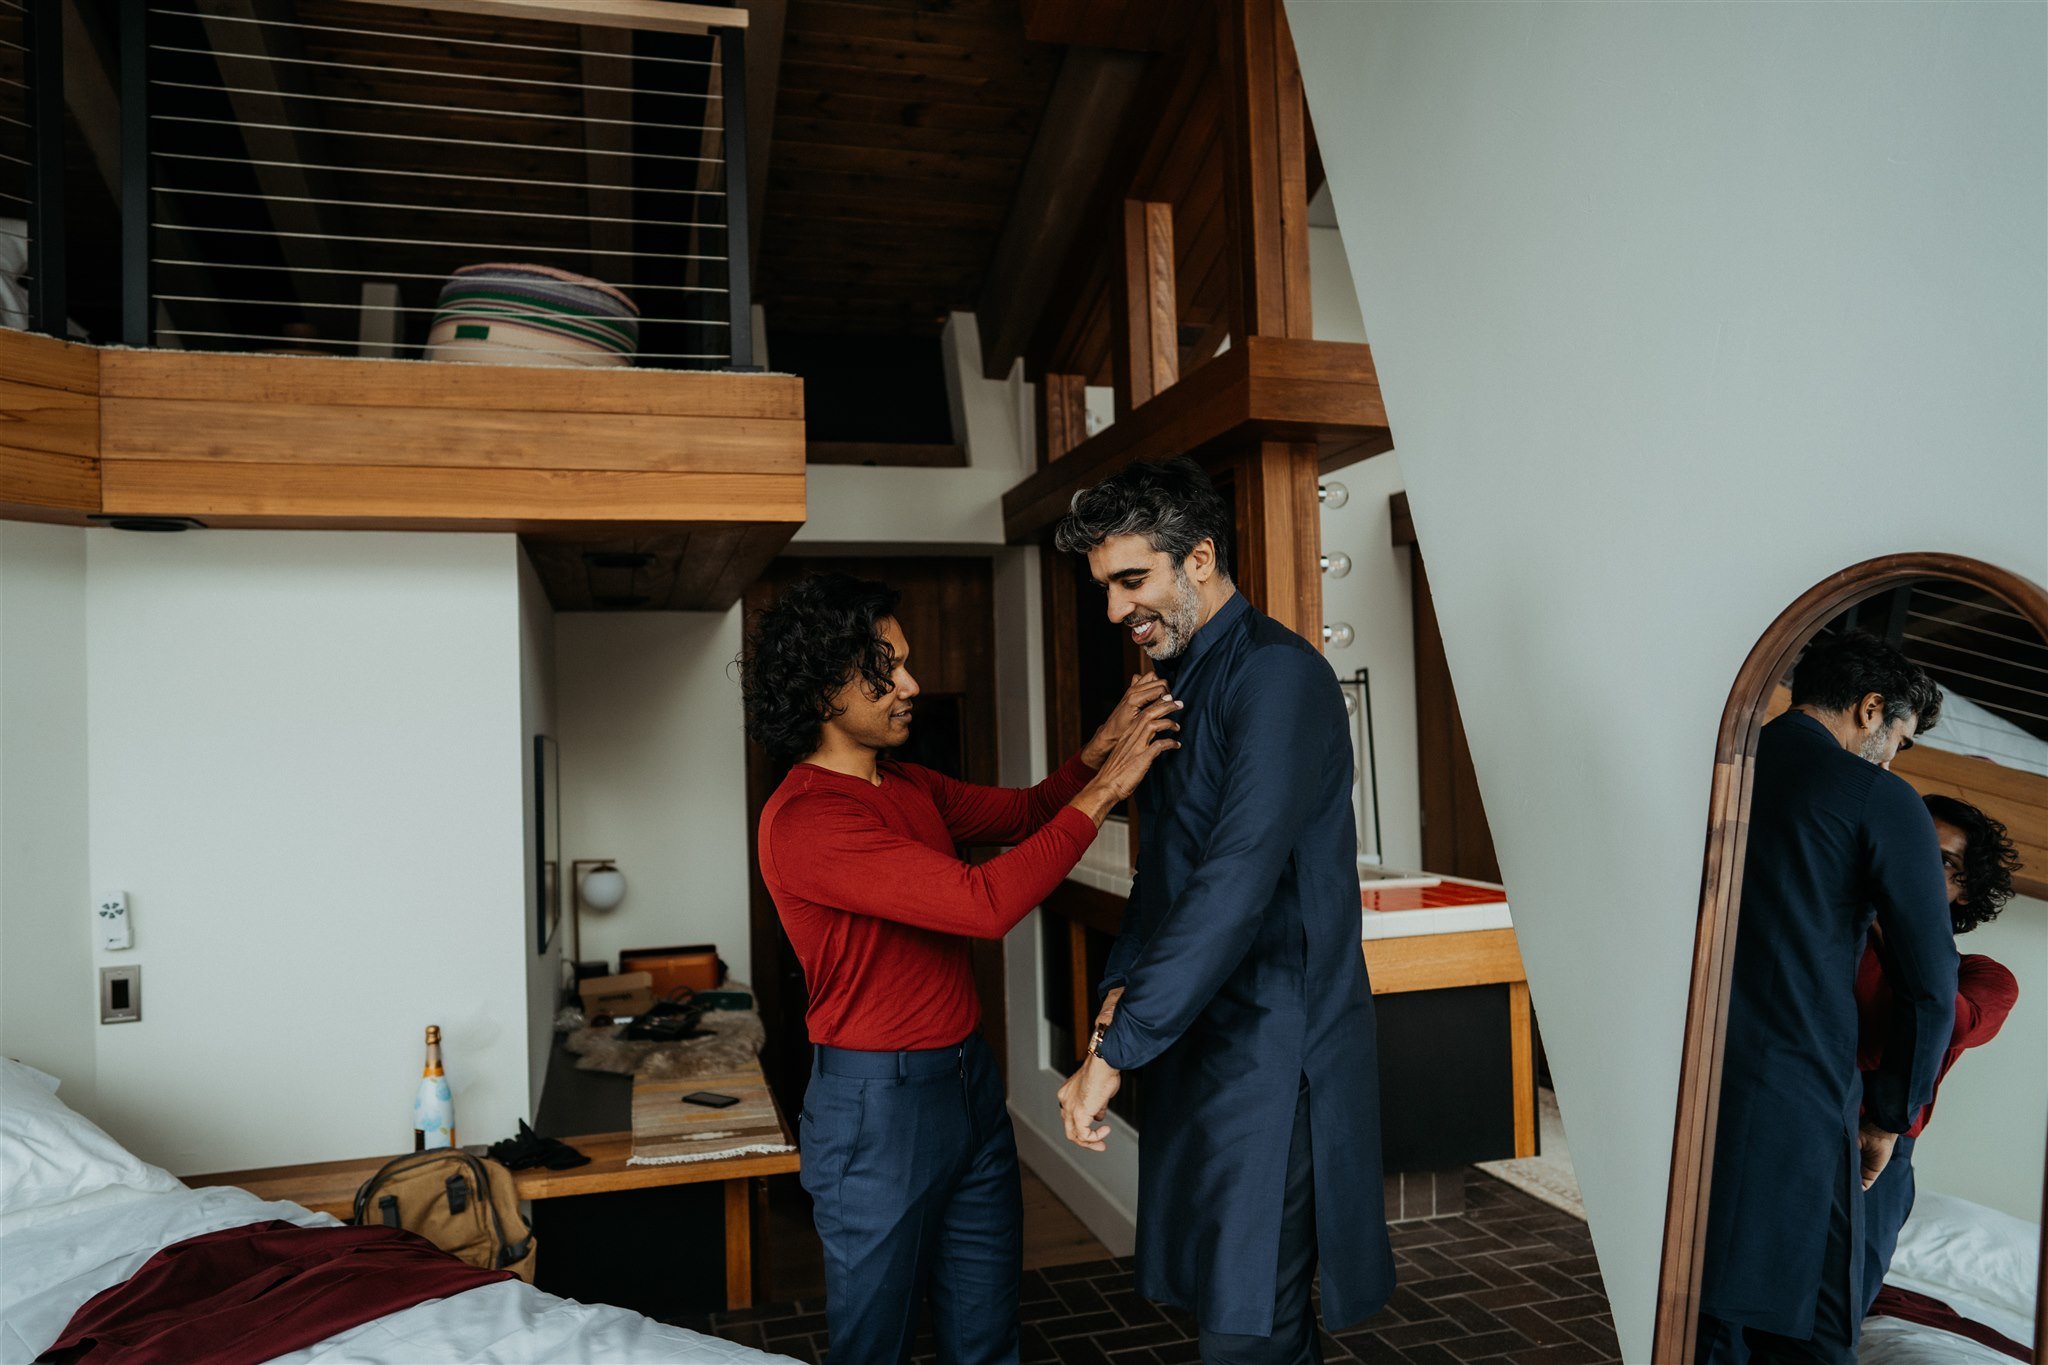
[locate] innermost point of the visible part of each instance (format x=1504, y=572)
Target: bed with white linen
x=1983, y=1264
x=80, y=1214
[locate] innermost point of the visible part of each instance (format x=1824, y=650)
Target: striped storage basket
x=532, y=315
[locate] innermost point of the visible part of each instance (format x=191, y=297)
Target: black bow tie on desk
x=531, y=1149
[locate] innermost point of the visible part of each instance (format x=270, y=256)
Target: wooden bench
x=330, y=1187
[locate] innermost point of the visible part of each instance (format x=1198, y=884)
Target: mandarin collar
x=1206, y=636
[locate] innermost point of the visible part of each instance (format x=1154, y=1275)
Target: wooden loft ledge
x=1266, y=389
x=611, y=457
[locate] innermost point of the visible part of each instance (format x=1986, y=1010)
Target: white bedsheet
x=1893, y=1341
x=50, y=1267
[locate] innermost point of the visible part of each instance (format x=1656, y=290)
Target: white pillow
x=49, y=1155
x=1978, y=1261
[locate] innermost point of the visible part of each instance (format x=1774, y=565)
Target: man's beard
x=1874, y=747
x=1178, y=625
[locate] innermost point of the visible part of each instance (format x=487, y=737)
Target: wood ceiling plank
x=310, y=493
x=664, y=16
x=1002, y=91
x=40, y=485
x=930, y=213
x=812, y=131
x=996, y=172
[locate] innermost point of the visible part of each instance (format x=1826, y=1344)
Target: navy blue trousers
x=1294, y=1340
x=1837, y=1319
x=911, y=1166
x=1885, y=1206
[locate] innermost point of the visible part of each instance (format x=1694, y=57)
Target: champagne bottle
x=433, y=1106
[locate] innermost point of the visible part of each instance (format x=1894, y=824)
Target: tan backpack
x=466, y=1205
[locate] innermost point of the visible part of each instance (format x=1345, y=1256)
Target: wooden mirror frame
x=1699, y=1082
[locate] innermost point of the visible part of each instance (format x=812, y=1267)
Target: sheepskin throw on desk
x=666, y=1130
x=732, y=1043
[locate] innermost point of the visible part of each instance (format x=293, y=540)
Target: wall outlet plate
x=120, y=995
x=110, y=914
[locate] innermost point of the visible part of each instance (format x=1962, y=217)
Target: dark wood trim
x=1266, y=389
x=1404, y=520
x=1692, y=1142
x=1278, y=559
x=889, y=453
x=1144, y=322
x=1266, y=199
x=1062, y=415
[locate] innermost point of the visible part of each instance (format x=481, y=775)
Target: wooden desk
x=330, y=1187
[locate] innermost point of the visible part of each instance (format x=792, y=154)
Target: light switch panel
x=120, y=995
x=110, y=914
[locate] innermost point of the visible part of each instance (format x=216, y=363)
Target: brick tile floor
x=1510, y=1281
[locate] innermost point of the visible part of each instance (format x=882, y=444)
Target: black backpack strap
x=388, y=1207
x=458, y=1193
x=513, y=1254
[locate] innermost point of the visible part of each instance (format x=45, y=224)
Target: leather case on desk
x=694, y=965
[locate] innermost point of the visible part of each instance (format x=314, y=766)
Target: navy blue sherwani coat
x=1242, y=973
x=1833, y=838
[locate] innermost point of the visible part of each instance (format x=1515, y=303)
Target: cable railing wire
x=440, y=175
x=330, y=65
x=390, y=274
x=428, y=241
x=451, y=141
x=1981, y=630
x=509, y=315
x=433, y=108
x=1995, y=608
x=437, y=38
x=441, y=208
x=1933, y=643
x=303, y=343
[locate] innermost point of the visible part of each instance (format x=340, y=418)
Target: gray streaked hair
x=1172, y=504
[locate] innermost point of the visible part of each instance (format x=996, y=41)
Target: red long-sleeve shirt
x=881, y=910
x=1985, y=995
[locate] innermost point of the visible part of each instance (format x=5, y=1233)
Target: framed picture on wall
x=547, y=822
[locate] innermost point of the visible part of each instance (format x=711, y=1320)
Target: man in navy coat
x=1834, y=838
x=1237, y=979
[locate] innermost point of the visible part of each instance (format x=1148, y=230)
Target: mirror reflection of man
x=1237, y=980
x=1834, y=837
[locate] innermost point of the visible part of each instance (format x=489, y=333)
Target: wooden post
x=1062, y=415
x=1145, y=354
x=1279, y=535
x=1266, y=197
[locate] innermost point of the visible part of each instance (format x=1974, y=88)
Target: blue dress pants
x=911, y=1166
x=1837, y=1316
x=1294, y=1340
x=1885, y=1206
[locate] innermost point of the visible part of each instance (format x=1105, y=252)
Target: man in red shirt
x=1978, y=861
x=908, y=1152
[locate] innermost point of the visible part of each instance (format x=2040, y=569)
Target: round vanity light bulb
x=1339, y=634
x=604, y=888
x=1336, y=564
x=1333, y=494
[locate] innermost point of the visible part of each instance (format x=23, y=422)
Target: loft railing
x=306, y=175
x=32, y=166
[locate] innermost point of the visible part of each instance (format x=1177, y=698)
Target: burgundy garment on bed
x=1904, y=1304
x=253, y=1293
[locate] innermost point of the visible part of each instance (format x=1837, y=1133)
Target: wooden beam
x=1267, y=194
x=1403, y=520
x=1144, y=319
x=1062, y=415
x=1279, y=535
x=654, y=16
x=49, y=428
x=1083, y=123
x=1268, y=389
x=1434, y=962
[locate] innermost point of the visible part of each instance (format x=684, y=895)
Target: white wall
x=1376, y=599
x=47, y=987
x=1677, y=309
x=305, y=771
x=654, y=772
x=537, y=717
x=1986, y=1138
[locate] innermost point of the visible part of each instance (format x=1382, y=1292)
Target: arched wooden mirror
x=1942, y=1257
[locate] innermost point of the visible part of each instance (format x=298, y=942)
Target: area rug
x=734, y=1045
x=1549, y=1175
x=666, y=1130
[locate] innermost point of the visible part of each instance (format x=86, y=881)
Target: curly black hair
x=1171, y=503
x=1837, y=671
x=1989, y=860
x=819, y=635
